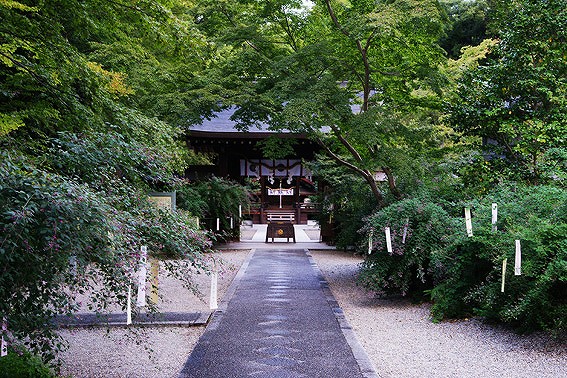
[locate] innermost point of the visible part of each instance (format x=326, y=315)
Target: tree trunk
x=392, y=183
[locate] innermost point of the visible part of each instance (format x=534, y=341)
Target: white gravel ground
x=118, y=353
x=402, y=342
x=398, y=337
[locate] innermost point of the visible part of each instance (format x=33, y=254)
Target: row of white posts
x=154, y=270
x=518, y=245
x=141, y=297
x=231, y=219
x=468, y=225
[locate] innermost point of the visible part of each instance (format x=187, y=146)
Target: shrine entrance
x=284, y=190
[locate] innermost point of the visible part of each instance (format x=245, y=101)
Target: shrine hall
x=282, y=187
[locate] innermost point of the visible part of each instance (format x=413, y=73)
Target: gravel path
x=399, y=337
x=118, y=353
x=402, y=342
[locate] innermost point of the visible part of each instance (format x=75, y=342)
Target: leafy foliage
x=516, y=100
x=215, y=198
x=468, y=25
x=472, y=282
x=345, y=204
x=49, y=220
x=463, y=274
x=22, y=364
x=360, y=78
x=81, y=145
x=419, y=229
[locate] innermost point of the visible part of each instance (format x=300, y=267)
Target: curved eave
x=243, y=135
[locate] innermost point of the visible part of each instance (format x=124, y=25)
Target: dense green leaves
x=83, y=94
x=517, y=99
x=360, y=78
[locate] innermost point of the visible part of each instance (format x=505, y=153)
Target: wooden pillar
x=262, y=197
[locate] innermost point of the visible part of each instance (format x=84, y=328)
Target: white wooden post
x=518, y=259
x=468, y=221
x=141, y=297
x=504, y=263
x=214, y=286
x=129, y=306
x=388, y=239
x=494, y=217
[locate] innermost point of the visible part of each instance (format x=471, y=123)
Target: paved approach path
x=281, y=321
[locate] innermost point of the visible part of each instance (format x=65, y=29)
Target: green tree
x=468, y=25
x=79, y=150
x=516, y=99
x=359, y=77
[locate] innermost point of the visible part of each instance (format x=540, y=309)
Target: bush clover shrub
x=534, y=300
x=408, y=269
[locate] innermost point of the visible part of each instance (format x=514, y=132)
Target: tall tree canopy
x=354, y=75
x=517, y=99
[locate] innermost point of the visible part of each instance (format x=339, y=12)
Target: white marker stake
x=141, y=298
x=231, y=223
x=518, y=259
x=494, y=217
x=468, y=221
x=4, y=346
x=129, y=307
x=504, y=263
x=73, y=266
x=213, y=302
x=388, y=240
x=239, y=211
x=370, y=242
x=218, y=224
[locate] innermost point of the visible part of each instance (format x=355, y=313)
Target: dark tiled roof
x=222, y=123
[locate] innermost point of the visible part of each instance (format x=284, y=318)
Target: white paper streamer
x=405, y=234
x=239, y=211
x=504, y=263
x=518, y=259
x=4, y=344
x=129, y=306
x=494, y=217
x=218, y=224
x=370, y=243
x=468, y=221
x=142, y=275
x=231, y=223
x=213, y=301
x=388, y=239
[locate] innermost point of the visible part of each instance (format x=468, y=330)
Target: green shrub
x=344, y=201
x=536, y=299
x=23, y=365
x=211, y=199
x=48, y=220
x=407, y=270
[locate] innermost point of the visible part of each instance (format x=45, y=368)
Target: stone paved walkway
x=281, y=321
